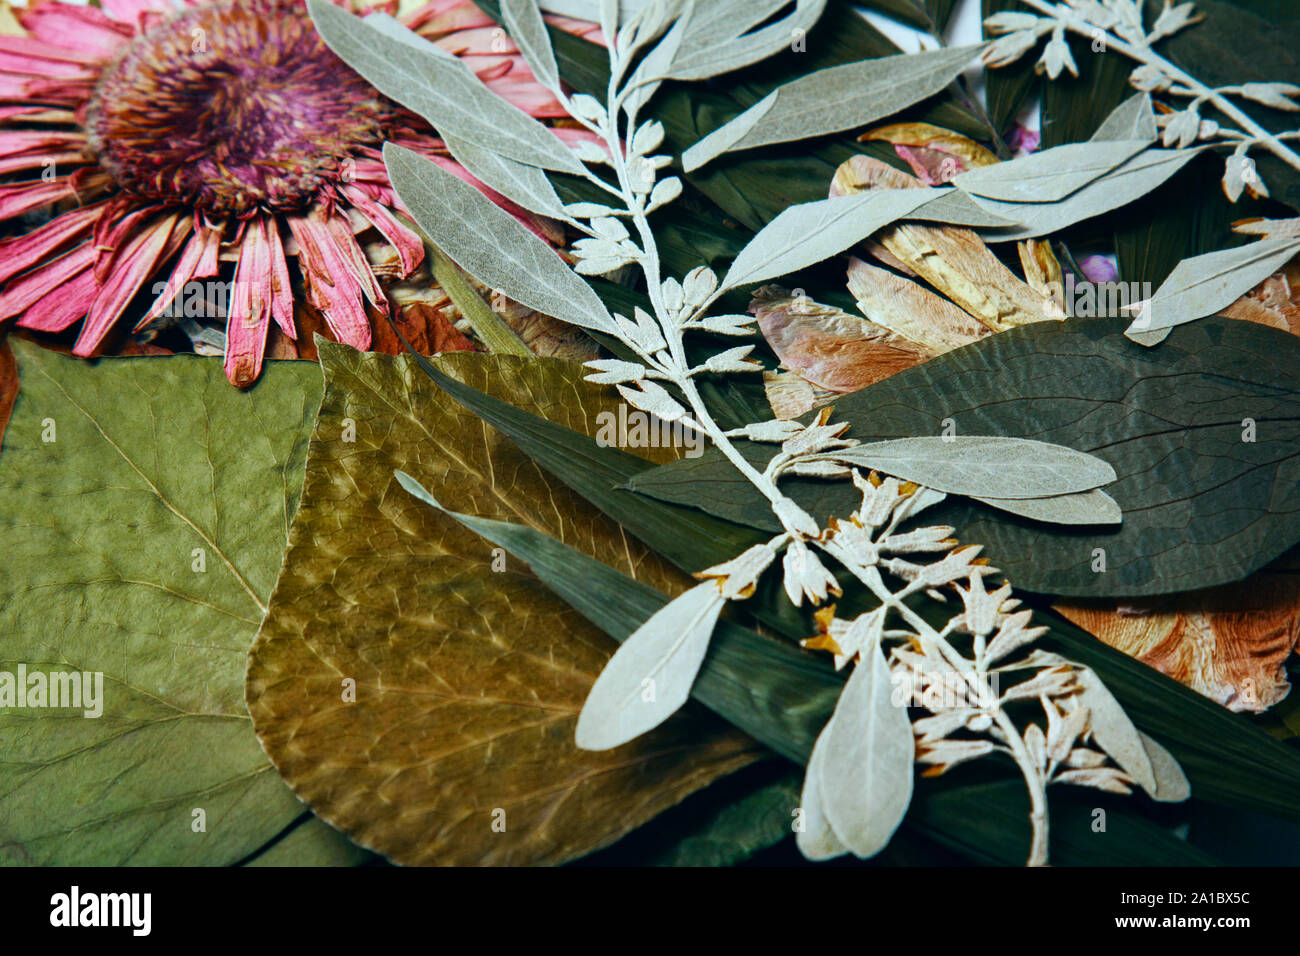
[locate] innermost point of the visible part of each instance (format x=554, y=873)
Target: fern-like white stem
x=1147, y=56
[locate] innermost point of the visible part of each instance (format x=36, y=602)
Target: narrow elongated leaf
x=1134, y=179
x=1201, y=505
x=866, y=770
x=457, y=691
x=978, y=465
x=1203, y=285
x=817, y=839
x=1051, y=175
x=1171, y=784
x=834, y=99
x=523, y=21
x=490, y=244
x=1083, y=507
x=810, y=232
x=140, y=535
x=739, y=50
x=519, y=182
x=438, y=86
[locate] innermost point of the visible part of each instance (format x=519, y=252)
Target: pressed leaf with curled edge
x=468, y=680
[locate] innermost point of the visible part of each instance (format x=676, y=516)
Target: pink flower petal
x=281, y=285
x=250, y=308
x=444, y=16
x=22, y=197
x=333, y=286
x=199, y=259
x=409, y=246
x=22, y=252
x=131, y=11
x=54, y=313
x=135, y=263
x=21, y=294
x=27, y=55
x=87, y=29
x=18, y=163
x=21, y=86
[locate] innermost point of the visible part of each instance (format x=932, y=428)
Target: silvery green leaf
x=1272, y=94
x=1056, y=56
x=1172, y=19
x=1150, y=78
x=727, y=324
x=732, y=360
x=1113, y=731
x=808, y=233
x=589, y=210
x=585, y=106
x=1132, y=119
x=490, y=244
x=983, y=465
x=866, y=766
x=1005, y=50
x=523, y=21
x=601, y=265
x=834, y=99
x=957, y=208
x=1172, y=785
x=657, y=64
x=1049, y=175
x=648, y=137
x=1181, y=128
x=665, y=191
x=518, y=182
x=439, y=87
x=590, y=9
x=1202, y=285
x=1269, y=228
x=650, y=675
x=653, y=399
x=1009, y=22
x=614, y=371
x=609, y=228
x=1235, y=169
x=699, y=60
x=817, y=840
x=1137, y=177
x=1080, y=507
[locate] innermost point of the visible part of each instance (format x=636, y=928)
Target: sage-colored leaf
x=1050, y=175
x=1081, y=507
x=984, y=466
x=438, y=86
x=701, y=60
x=1112, y=729
x=810, y=232
x=1171, y=784
x=519, y=182
x=490, y=244
x=468, y=681
x=866, y=770
x=523, y=21
x=1119, y=187
x=312, y=843
x=143, y=521
x=1132, y=119
x=817, y=840
x=1202, y=285
x=834, y=99
x=1201, y=506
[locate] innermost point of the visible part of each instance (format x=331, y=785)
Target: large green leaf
x=468, y=675
x=1207, y=497
x=1229, y=761
x=145, y=509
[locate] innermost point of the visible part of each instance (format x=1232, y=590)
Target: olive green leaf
x=420, y=700
x=145, y=511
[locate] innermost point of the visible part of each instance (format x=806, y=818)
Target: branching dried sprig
x=1117, y=25
x=860, y=774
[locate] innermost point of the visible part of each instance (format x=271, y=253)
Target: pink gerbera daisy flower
x=212, y=138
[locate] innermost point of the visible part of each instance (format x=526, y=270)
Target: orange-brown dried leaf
x=469, y=681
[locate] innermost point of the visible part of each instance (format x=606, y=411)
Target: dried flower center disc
x=231, y=107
